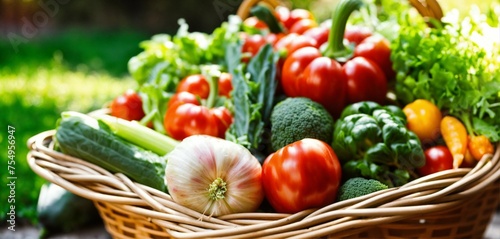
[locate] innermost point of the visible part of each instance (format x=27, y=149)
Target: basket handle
x=426, y=8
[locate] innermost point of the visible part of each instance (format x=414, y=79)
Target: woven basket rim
x=433, y=193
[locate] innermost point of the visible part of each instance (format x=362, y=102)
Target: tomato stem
x=217, y=189
x=148, y=117
x=336, y=48
x=212, y=77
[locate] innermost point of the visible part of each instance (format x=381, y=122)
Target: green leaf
x=253, y=94
x=264, y=14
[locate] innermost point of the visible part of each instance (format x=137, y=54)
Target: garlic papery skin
x=214, y=176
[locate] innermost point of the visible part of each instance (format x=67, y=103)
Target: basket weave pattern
x=455, y=203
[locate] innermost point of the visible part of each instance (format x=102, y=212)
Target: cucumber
x=82, y=136
x=60, y=211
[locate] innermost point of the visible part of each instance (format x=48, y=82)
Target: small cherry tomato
x=424, y=119
x=437, y=158
x=185, y=119
x=296, y=15
x=225, y=84
x=197, y=84
x=356, y=34
x=253, y=21
x=303, y=25
x=253, y=43
x=273, y=38
x=127, y=106
x=293, y=41
x=302, y=175
x=184, y=97
x=282, y=14
x=224, y=120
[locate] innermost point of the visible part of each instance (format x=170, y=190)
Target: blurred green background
x=58, y=55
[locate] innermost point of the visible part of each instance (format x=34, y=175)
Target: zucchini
x=82, y=136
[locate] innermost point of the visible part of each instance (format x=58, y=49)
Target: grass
x=105, y=51
x=31, y=102
x=38, y=84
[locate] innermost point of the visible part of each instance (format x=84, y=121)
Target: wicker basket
x=455, y=203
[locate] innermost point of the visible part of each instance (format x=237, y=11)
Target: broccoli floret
x=297, y=118
x=358, y=186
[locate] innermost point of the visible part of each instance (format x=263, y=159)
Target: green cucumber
x=82, y=136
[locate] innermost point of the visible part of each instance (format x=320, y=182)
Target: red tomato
x=297, y=15
x=377, y=49
x=185, y=119
x=365, y=81
x=195, y=84
x=288, y=18
x=437, y=158
x=303, y=25
x=282, y=14
x=253, y=43
x=183, y=97
x=272, y=38
x=127, y=106
x=302, y=175
x=356, y=34
x=224, y=120
x=293, y=41
x=253, y=21
x=225, y=84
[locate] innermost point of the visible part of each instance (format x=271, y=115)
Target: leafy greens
x=454, y=66
x=166, y=59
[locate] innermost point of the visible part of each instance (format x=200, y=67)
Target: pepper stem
x=336, y=48
x=217, y=189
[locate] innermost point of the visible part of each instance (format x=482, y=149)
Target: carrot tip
x=457, y=160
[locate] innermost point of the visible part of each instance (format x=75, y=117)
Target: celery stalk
x=139, y=134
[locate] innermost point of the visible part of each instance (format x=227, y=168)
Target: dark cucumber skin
x=104, y=149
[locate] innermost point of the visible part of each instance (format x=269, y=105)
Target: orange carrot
x=455, y=136
x=479, y=146
x=469, y=161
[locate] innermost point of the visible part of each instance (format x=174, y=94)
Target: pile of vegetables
x=280, y=108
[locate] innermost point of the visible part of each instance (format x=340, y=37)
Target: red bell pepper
x=335, y=76
x=189, y=114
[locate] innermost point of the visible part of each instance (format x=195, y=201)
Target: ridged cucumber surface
x=82, y=136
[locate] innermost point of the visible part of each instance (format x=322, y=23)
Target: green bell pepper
x=372, y=141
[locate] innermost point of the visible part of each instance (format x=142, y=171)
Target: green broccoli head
x=297, y=118
x=358, y=186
